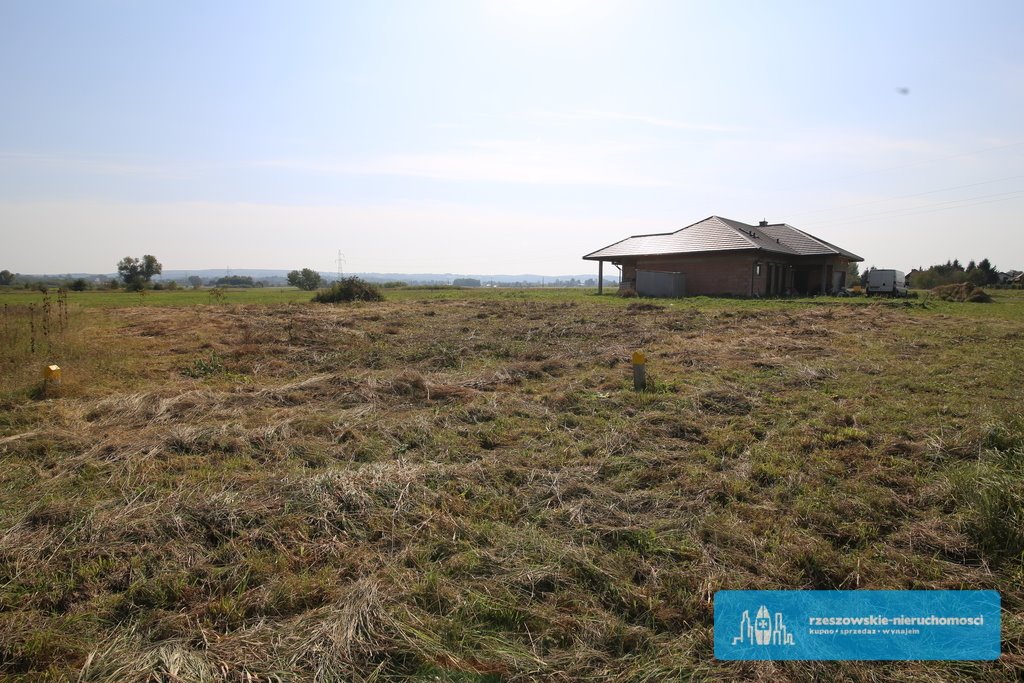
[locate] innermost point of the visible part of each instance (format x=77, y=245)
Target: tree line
x=952, y=272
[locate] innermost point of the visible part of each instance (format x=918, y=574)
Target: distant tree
x=466, y=282
x=305, y=279
x=79, y=285
x=235, y=281
x=135, y=273
x=951, y=272
x=195, y=281
x=852, y=274
x=113, y=284
x=6, y=277
x=991, y=274
x=172, y=285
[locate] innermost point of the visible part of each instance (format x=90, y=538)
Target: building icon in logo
x=761, y=630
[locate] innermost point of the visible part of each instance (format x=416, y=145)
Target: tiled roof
x=803, y=243
x=722, y=234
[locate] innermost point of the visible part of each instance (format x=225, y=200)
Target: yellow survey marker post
x=51, y=379
x=639, y=370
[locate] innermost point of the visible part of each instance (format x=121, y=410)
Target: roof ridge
x=727, y=222
x=812, y=237
x=687, y=227
x=650, y=234
x=833, y=248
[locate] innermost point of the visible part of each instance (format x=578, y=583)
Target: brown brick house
x=722, y=256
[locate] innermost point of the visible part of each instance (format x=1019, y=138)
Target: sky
x=502, y=137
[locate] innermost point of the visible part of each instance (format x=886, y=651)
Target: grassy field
x=462, y=485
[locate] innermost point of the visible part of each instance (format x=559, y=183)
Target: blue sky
x=502, y=136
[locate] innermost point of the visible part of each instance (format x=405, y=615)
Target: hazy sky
x=502, y=137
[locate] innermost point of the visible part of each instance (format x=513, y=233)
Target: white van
x=889, y=282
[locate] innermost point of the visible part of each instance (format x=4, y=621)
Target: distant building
x=722, y=256
x=1010, y=276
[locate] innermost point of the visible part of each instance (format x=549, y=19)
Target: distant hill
x=257, y=274
x=272, y=276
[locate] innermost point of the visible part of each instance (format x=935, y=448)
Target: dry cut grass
x=470, y=490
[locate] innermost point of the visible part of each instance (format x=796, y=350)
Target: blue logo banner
x=856, y=624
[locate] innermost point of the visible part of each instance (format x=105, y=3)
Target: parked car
x=886, y=282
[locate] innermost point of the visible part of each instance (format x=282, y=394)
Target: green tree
x=79, y=285
x=135, y=273
x=306, y=279
x=852, y=274
x=6, y=277
x=195, y=281
x=991, y=274
x=235, y=281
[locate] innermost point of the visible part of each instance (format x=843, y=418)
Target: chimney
x=763, y=223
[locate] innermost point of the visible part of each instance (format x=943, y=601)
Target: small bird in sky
x=903, y=91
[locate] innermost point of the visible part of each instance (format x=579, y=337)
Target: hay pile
x=964, y=291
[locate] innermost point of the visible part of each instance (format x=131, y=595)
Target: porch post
x=824, y=267
x=600, y=277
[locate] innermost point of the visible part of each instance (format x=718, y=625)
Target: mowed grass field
x=460, y=485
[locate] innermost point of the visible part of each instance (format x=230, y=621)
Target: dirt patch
x=724, y=403
x=643, y=307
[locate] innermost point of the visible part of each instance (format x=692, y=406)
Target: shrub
x=349, y=289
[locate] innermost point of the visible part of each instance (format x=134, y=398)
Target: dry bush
x=963, y=292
